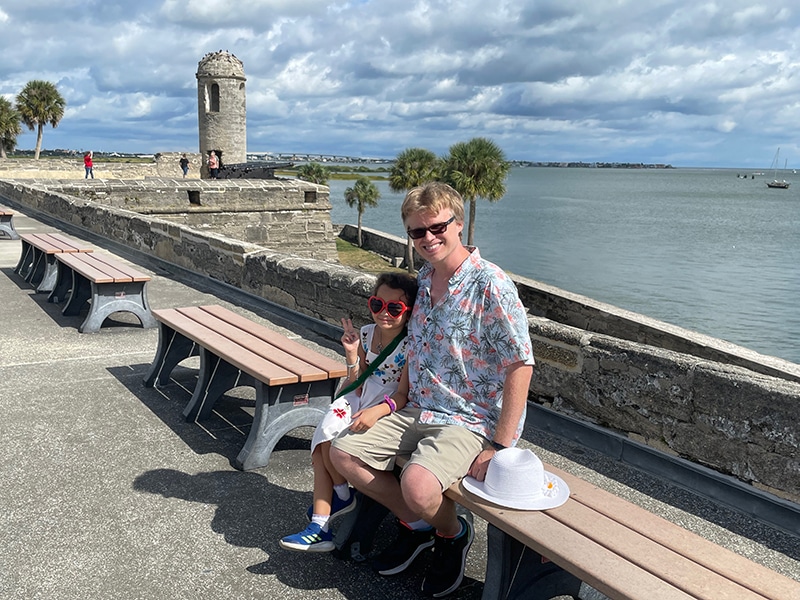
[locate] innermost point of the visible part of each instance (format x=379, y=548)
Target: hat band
x=519, y=492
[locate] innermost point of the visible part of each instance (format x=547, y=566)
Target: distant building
x=221, y=108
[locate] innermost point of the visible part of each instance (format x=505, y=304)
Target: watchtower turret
x=221, y=105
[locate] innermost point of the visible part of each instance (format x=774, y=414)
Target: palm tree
x=362, y=194
x=10, y=127
x=413, y=167
x=476, y=169
x=314, y=173
x=38, y=103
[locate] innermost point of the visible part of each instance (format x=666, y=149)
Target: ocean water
x=699, y=248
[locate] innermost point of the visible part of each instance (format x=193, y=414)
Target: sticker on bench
x=119, y=294
x=300, y=400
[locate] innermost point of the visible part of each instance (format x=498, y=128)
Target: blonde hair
x=432, y=198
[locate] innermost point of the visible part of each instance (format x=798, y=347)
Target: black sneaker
x=446, y=570
x=406, y=547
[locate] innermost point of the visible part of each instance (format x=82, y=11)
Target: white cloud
x=548, y=80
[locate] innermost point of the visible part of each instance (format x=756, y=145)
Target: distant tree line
x=37, y=104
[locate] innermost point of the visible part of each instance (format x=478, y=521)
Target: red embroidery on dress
x=340, y=413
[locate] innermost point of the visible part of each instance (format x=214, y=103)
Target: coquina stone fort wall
x=702, y=399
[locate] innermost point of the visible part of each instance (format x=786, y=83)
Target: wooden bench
x=108, y=285
x=37, y=261
x=7, y=230
x=598, y=546
x=294, y=384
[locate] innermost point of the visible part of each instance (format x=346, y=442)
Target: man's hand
x=481, y=463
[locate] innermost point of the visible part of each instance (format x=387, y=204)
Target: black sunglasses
x=394, y=308
x=435, y=229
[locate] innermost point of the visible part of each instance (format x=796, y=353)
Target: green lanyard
x=373, y=365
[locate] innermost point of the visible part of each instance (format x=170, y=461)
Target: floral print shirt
x=459, y=349
x=388, y=373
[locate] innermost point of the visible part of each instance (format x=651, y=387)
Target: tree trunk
x=471, y=226
x=410, y=257
x=359, y=229
x=39, y=133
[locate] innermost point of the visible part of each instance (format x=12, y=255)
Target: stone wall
x=590, y=315
x=164, y=164
x=727, y=417
x=287, y=214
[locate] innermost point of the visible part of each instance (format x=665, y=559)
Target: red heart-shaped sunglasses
x=395, y=308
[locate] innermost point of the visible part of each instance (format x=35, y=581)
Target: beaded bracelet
x=354, y=365
x=390, y=402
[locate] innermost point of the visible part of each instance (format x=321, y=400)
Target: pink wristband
x=390, y=402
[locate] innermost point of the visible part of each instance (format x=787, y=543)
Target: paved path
x=105, y=492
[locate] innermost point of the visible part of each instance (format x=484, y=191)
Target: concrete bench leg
x=173, y=348
x=79, y=294
x=36, y=273
x=49, y=275
x=25, y=260
x=355, y=534
x=106, y=299
x=515, y=572
x=7, y=230
x=109, y=298
x=63, y=284
x=215, y=378
x=280, y=409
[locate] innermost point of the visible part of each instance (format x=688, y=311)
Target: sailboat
x=775, y=183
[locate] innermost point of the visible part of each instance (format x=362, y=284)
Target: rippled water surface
x=699, y=248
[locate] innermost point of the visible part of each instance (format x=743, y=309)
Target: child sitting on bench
x=376, y=385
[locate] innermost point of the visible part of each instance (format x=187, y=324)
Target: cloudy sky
x=686, y=82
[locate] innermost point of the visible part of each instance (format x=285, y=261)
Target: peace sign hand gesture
x=350, y=340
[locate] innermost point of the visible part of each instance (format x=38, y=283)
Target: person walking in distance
x=88, y=165
x=213, y=165
x=184, y=163
x=470, y=363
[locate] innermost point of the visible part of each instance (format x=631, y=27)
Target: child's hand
x=364, y=419
x=349, y=337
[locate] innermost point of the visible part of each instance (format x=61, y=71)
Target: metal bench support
x=515, y=572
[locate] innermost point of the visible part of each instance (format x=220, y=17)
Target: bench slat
x=241, y=358
x=664, y=563
x=53, y=243
x=248, y=339
x=589, y=561
x=102, y=269
x=332, y=367
x=727, y=563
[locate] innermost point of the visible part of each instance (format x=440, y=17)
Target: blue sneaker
x=311, y=539
x=338, y=507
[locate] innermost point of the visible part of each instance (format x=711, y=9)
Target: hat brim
x=559, y=497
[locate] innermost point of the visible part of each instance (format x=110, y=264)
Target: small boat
x=776, y=183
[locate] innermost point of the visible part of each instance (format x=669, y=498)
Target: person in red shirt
x=87, y=164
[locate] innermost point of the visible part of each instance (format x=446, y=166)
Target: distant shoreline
x=324, y=158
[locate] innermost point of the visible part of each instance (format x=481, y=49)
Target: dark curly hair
x=399, y=281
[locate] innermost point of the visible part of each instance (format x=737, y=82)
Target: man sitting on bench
x=469, y=363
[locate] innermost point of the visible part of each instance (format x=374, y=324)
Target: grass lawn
x=354, y=257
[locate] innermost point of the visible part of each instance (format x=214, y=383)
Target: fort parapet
x=682, y=393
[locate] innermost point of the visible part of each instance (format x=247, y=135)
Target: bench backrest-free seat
x=294, y=384
x=106, y=284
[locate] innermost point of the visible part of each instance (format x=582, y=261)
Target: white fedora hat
x=516, y=478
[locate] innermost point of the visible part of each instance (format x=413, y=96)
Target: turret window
x=214, y=97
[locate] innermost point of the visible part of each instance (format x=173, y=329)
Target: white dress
x=383, y=380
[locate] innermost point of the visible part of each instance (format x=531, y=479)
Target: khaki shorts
x=447, y=451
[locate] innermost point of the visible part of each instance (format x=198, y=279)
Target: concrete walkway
x=105, y=492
